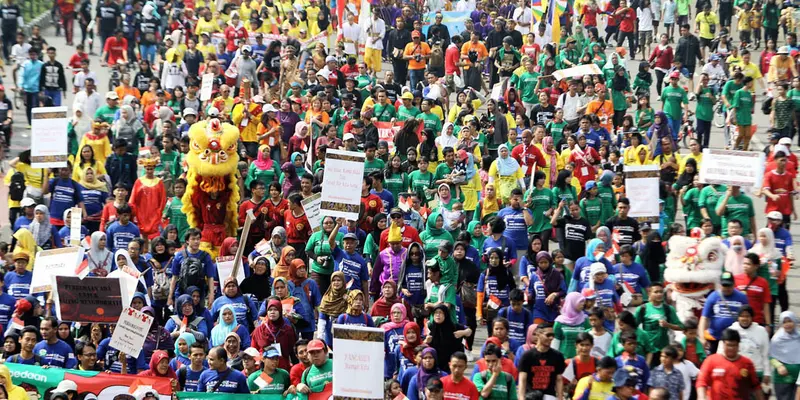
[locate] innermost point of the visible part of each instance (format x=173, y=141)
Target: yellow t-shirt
x=698, y=158
x=705, y=21
x=204, y=26
x=599, y=391
x=207, y=49
x=33, y=176
x=744, y=20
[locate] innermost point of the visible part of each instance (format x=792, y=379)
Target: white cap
x=112, y=96
x=213, y=112
x=268, y=108
x=348, y=136
x=785, y=141
x=27, y=202
x=776, y=215
x=189, y=111
x=247, y=48
x=66, y=386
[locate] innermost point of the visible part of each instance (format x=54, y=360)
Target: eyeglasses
x=90, y=355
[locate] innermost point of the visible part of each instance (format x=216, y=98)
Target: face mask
x=737, y=247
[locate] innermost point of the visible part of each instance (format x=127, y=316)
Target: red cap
x=589, y=293
x=674, y=74
x=415, y=34
x=315, y=345
x=2, y=88
x=462, y=155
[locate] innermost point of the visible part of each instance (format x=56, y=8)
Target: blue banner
x=454, y=20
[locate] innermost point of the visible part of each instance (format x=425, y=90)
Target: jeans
x=631, y=41
x=703, y=131
x=674, y=125
x=148, y=52
x=416, y=75
x=55, y=95
x=9, y=40
x=31, y=100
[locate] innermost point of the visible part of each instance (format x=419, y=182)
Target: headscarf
x=333, y=302
x=98, y=258
x=95, y=184
x=608, y=244
x=26, y=244
x=423, y=375
x=275, y=326
x=552, y=278
x=291, y=183
x=263, y=162
x=783, y=346
x=661, y=130
x=129, y=128
x=430, y=224
x=408, y=346
x=619, y=83
x=286, y=283
x=14, y=392
x=769, y=250
x=296, y=264
x=570, y=314
x=282, y=268
x=489, y=205
x=443, y=338
x=385, y=305
x=42, y=231
x=221, y=330
x=352, y=295
x=653, y=255
x=280, y=231
x=447, y=197
x=156, y=358
x=506, y=166
x=734, y=260
x=258, y=285
x=376, y=232
x=180, y=302
x=128, y=260
x=394, y=325
x=199, y=309
x=687, y=178
x=502, y=274
x=530, y=337
x=476, y=241
x=445, y=140
x=189, y=339
x=70, y=340
x=552, y=154
x=591, y=248
x=606, y=178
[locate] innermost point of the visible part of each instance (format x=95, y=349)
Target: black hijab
x=443, y=338
x=653, y=255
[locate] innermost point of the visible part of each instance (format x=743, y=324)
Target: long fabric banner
x=453, y=20
x=39, y=382
x=387, y=131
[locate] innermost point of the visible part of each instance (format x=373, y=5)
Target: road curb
x=37, y=21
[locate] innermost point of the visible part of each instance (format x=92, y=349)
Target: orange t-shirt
x=130, y=91
x=412, y=50
x=477, y=47
x=604, y=110
x=273, y=139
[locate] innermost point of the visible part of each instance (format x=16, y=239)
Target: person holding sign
x=348, y=260
x=270, y=379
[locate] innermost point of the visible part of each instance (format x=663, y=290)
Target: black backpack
x=766, y=106
x=16, y=188
x=192, y=272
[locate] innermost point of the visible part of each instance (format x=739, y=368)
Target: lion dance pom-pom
x=212, y=195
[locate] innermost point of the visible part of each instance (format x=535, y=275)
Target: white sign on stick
x=75, y=217
x=341, y=189
x=131, y=331
x=225, y=267
x=358, y=362
x=311, y=207
x=50, y=263
x=48, y=141
x=641, y=188
x=206, y=87
x=730, y=167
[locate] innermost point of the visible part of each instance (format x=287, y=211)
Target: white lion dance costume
x=693, y=271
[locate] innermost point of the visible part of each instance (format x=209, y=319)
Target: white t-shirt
x=689, y=372
x=523, y=15
x=645, y=16
x=601, y=344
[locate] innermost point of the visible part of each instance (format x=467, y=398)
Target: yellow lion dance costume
x=212, y=195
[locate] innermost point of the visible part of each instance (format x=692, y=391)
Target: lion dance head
x=693, y=271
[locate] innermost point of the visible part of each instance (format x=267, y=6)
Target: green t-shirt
x=431, y=121
x=790, y=378
x=504, y=387
x=619, y=100
x=682, y=6
x=445, y=294
x=396, y=183
x=739, y=207
x=794, y=94
x=172, y=212
x=568, y=195
x=730, y=89
x=317, y=377
x=654, y=337
x=527, y=87
x=705, y=105
x=764, y=272
x=708, y=200
x=340, y=118
x=279, y=383
x=556, y=130
x=644, y=118
x=691, y=208
x=606, y=195
x=443, y=170
x=420, y=182
x=384, y=112
x=106, y=113
x=743, y=103
x=169, y=162
x=566, y=334
x=673, y=97
x=592, y=210
x=541, y=201
x=374, y=165
x=318, y=245
x=404, y=113
x=267, y=176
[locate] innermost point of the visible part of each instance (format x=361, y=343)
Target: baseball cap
x=357, y=124
x=590, y=185
x=644, y=226
x=726, y=279
x=785, y=141
x=350, y=235
x=433, y=265
x=271, y=352
x=396, y=211
x=247, y=48
x=783, y=50
x=253, y=352
x=776, y=215
x=213, y=112
x=315, y=345
x=415, y=34
x=268, y=108
x=21, y=256
x=168, y=37
x=189, y=111
x=27, y=202
x=330, y=59
x=714, y=57
x=625, y=377
x=160, y=92
x=348, y=136
x=66, y=386
x=112, y=96
x=462, y=155
x=589, y=294
x=674, y=75
x=407, y=95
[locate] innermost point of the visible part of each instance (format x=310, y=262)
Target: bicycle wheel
x=719, y=116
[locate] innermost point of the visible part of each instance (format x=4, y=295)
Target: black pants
x=783, y=296
x=725, y=13
x=14, y=212
x=659, y=81
x=87, y=33
x=770, y=33
x=703, y=133
x=631, y=41
x=400, y=71
x=472, y=323
x=9, y=40
x=32, y=100
x=619, y=116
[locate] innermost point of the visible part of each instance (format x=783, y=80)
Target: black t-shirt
x=392, y=91
x=628, y=229
x=147, y=28
x=108, y=16
x=5, y=105
x=542, y=115
x=9, y=15
x=576, y=233
x=542, y=369
x=142, y=81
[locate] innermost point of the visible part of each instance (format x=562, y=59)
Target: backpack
x=16, y=188
x=160, y=284
x=766, y=106
x=192, y=272
x=182, y=372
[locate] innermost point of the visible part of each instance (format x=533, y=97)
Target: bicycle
x=719, y=114
x=687, y=132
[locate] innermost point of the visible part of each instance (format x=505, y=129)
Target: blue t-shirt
x=22, y=222
x=192, y=378
x=639, y=365
x=386, y=196
x=353, y=266
x=541, y=310
x=783, y=239
x=233, y=382
x=111, y=357
x=518, y=322
x=7, y=306
x=94, y=200
x=488, y=284
x=634, y=275
x=516, y=228
x=505, y=242
x=391, y=338
x=16, y=285
x=241, y=306
x=58, y=354
x=580, y=275
x=208, y=265
x=65, y=232
x=357, y=320
x=65, y=194
x=723, y=311
x=414, y=281
x=120, y=235
x=607, y=297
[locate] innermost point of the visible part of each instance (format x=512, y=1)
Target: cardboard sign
x=75, y=217
x=48, y=141
x=50, y=263
x=89, y=300
x=358, y=362
x=225, y=267
x=341, y=189
x=641, y=188
x=131, y=331
x=206, y=87
x=311, y=207
x=730, y=167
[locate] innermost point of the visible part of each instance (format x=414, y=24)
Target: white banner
x=131, y=331
x=206, y=87
x=587, y=69
x=641, y=189
x=50, y=263
x=128, y=281
x=75, y=217
x=358, y=362
x=341, y=189
x=48, y=137
x=311, y=207
x=730, y=167
x=225, y=267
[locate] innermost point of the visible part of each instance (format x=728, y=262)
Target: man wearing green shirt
x=493, y=383
x=736, y=205
x=270, y=379
x=444, y=169
x=319, y=374
x=526, y=86
x=742, y=109
x=407, y=110
x=674, y=101
x=430, y=120
x=343, y=114
x=420, y=181
x=707, y=203
x=690, y=198
x=372, y=163
x=172, y=210
x=541, y=202
x=383, y=110
x=705, y=110
x=108, y=111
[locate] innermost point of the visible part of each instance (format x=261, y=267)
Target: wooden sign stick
x=242, y=240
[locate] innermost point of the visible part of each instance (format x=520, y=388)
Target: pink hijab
x=570, y=313
x=263, y=162
x=734, y=260
x=393, y=325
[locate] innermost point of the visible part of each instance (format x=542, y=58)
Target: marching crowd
x=498, y=202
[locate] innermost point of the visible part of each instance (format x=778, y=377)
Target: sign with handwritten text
x=341, y=189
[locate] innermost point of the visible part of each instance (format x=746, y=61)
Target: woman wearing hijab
x=44, y=234
x=595, y=252
x=476, y=236
x=411, y=281
x=429, y=367
x=489, y=205
x=263, y=169
x=307, y=292
x=446, y=138
x=384, y=306
x=653, y=256
x=319, y=251
x=445, y=336
x=14, y=392
x=530, y=342
x=356, y=312
x=506, y=173
x=271, y=248
x=282, y=268
x=771, y=263
x=434, y=235
x=734, y=259
x=226, y=323
x=394, y=334
x=157, y=338
x=547, y=288
x=275, y=330
x=187, y=320
x=64, y=333
x=291, y=182
x=784, y=356
x=183, y=349
x=95, y=195
x=604, y=234
x=159, y=366
x=405, y=356
x=199, y=303
x=659, y=130
x=332, y=305
x=686, y=178
x=373, y=240
x=258, y=283
x=446, y=200
x=571, y=322
x=98, y=259
x=496, y=282
x=229, y=248
x=129, y=127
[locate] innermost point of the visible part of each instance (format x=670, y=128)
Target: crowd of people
x=506, y=213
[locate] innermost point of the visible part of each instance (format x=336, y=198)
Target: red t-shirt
x=553, y=94
x=726, y=379
x=372, y=205
x=115, y=49
x=349, y=71
x=298, y=230
x=781, y=185
x=582, y=369
x=757, y=291
x=296, y=373
x=75, y=62
x=464, y=390
x=589, y=16
x=408, y=233
x=627, y=20
x=233, y=35
x=528, y=158
x=451, y=57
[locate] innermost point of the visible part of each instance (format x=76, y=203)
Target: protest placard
x=225, y=267
x=129, y=279
x=358, y=362
x=581, y=70
x=92, y=299
x=75, y=217
x=131, y=331
x=731, y=167
x=341, y=189
x=54, y=262
x=641, y=189
x=48, y=140
x=207, y=85
x=311, y=207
